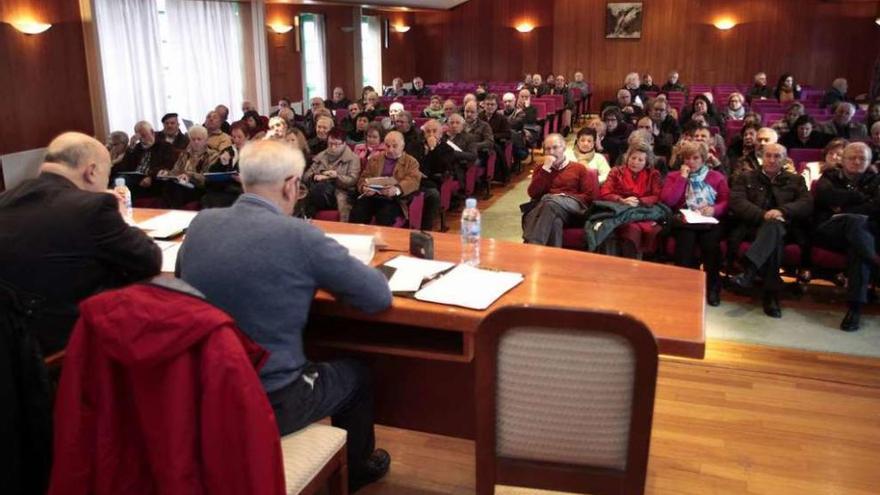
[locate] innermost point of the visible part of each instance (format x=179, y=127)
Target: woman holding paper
x=701, y=196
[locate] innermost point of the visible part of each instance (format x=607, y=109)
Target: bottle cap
x=470, y=203
x=120, y=181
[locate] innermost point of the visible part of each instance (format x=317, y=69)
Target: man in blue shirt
x=263, y=266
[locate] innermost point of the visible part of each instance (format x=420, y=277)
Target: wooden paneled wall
x=813, y=39
x=44, y=79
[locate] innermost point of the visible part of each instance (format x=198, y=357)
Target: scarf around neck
x=736, y=114
x=699, y=192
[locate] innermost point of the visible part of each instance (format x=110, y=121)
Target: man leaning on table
x=263, y=266
x=63, y=239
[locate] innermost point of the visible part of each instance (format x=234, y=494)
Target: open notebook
x=447, y=283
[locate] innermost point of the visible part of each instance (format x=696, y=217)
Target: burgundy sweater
x=574, y=180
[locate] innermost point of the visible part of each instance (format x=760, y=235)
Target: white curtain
x=261, y=56
x=131, y=68
x=371, y=49
x=205, y=57
x=314, y=57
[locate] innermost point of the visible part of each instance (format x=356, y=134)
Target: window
x=371, y=52
x=160, y=56
x=313, y=60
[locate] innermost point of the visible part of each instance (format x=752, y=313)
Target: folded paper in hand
x=168, y=225
x=691, y=216
x=362, y=247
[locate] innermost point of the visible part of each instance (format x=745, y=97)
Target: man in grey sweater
x=263, y=266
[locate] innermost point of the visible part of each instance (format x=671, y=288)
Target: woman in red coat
x=635, y=183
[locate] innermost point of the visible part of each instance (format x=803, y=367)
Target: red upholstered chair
x=805, y=155
x=448, y=187
x=587, y=426
x=327, y=215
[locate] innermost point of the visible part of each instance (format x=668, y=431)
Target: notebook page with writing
x=469, y=287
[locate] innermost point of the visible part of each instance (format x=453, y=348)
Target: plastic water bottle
x=121, y=188
x=470, y=233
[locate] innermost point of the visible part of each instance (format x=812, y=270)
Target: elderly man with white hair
x=143, y=160
x=63, y=239
x=770, y=207
x=388, y=179
x=217, y=139
x=841, y=124
x=214, y=259
x=847, y=212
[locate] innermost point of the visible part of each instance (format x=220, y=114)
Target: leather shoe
x=373, y=470
x=771, y=307
x=713, y=297
x=742, y=281
x=850, y=322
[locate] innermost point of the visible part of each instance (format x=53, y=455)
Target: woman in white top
x=584, y=152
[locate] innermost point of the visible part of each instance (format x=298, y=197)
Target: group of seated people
x=767, y=206
x=344, y=153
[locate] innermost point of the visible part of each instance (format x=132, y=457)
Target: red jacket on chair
x=159, y=395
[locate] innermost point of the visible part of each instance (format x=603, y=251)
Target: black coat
x=65, y=244
x=835, y=193
x=753, y=193
x=817, y=140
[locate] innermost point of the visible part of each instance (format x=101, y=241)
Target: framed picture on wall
x=623, y=20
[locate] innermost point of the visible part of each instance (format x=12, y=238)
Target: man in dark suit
x=769, y=206
x=62, y=237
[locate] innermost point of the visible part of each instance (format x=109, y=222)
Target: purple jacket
x=674, y=191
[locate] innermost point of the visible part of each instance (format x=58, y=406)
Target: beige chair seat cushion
x=307, y=451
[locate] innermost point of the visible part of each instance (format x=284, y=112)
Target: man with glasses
x=847, y=211
x=770, y=206
x=332, y=178
x=666, y=130
x=561, y=190
x=232, y=254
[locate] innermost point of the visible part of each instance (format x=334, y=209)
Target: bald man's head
x=394, y=144
x=80, y=158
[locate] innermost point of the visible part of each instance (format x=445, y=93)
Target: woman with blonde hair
x=703, y=193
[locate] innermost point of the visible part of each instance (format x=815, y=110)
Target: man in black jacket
x=62, y=237
x=770, y=206
x=501, y=134
x=847, y=210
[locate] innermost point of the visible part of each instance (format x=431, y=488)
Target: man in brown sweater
x=561, y=191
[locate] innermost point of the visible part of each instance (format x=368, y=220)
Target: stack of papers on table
x=691, y=216
x=362, y=247
x=168, y=225
x=469, y=287
x=169, y=255
x=411, y=272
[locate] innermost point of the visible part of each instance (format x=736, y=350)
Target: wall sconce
x=725, y=24
x=401, y=28
x=30, y=27
x=525, y=27
x=279, y=28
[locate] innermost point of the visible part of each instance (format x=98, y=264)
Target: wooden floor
x=746, y=420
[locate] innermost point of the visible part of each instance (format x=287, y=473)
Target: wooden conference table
x=421, y=354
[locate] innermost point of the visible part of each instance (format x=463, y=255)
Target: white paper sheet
x=362, y=247
x=168, y=224
x=469, y=287
x=169, y=254
x=691, y=216
x=410, y=272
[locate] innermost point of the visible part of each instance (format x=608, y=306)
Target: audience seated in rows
x=842, y=124
x=387, y=204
